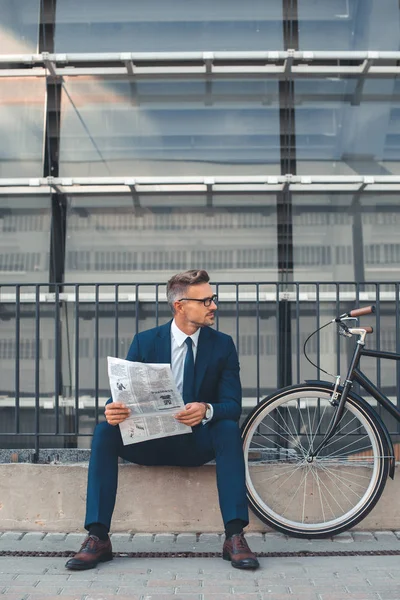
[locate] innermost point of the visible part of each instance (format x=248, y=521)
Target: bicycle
x=317, y=455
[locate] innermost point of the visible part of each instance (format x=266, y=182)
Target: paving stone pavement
x=204, y=542
x=289, y=578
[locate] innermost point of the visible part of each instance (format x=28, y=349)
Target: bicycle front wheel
x=338, y=487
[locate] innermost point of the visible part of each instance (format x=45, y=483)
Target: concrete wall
x=150, y=499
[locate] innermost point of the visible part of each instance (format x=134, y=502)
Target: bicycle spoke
x=287, y=432
x=295, y=494
x=283, y=471
x=294, y=426
x=287, y=478
x=344, y=479
x=330, y=493
x=304, y=496
x=272, y=442
x=336, y=437
x=321, y=493
x=299, y=443
x=348, y=446
x=310, y=447
x=319, y=424
x=350, y=473
x=311, y=425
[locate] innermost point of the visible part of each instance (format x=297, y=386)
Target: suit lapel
x=203, y=357
x=163, y=344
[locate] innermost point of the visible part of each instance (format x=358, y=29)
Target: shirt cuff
x=204, y=421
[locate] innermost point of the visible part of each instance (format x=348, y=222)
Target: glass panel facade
x=22, y=106
x=160, y=26
x=349, y=24
x=24, y=239
x=109, y=240
x=322, y=238
x=19, y=26
x=381, y=241
x=338, y=237
x=344, y=127
x=165, y=127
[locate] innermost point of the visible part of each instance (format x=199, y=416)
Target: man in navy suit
x=205, y=367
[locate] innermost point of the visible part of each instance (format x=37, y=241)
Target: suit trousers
x=219, y=440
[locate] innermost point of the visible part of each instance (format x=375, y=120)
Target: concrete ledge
x=51, y=498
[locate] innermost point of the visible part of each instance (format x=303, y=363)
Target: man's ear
x=178, y=307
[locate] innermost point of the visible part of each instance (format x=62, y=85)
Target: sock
x=99, y=530
x=234, y=526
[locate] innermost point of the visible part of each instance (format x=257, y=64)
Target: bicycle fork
x=333, y=425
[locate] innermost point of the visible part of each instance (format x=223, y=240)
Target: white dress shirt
x=178, y=355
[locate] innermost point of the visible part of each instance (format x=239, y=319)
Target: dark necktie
x=188, y=373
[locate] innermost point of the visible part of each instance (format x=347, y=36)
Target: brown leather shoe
x=93, y=551
x=238, y=552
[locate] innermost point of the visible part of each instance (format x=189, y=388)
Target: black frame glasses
x=206, y=301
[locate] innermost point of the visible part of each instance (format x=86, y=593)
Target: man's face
x=194, y=313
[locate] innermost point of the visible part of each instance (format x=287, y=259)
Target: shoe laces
x=241, y=543
x=88, y=542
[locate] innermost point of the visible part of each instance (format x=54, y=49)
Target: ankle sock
x=233, y=527
x=99, y=530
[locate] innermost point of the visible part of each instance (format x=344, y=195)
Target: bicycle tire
x=336, y=478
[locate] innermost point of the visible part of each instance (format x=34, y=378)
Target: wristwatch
x=208, y=412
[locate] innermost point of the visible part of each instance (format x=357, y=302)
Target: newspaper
x=149, y=390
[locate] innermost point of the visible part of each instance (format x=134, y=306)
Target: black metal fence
x=55, y=339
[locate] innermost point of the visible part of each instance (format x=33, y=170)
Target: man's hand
x=192, y=415
x=116, y=412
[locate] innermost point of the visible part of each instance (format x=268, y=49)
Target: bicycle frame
x=355, y=374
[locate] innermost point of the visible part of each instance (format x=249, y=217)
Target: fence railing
x=54, y=343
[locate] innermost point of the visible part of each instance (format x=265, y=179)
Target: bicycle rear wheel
x=334, y=491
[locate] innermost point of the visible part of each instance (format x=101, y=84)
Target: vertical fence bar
x=57, y=356
x=337, y=313
x=136, y=308
x=378, y=336
x=397, y=319
x=318, y=318
x=96, y=354
x=298, y=366
x=356, y=385
x=237, y=320
x=37, y=373
x=258, y=339
x=277, y=332
x=76, y=416
x=378, y=341
x=157, y=303
x=17, y=354
x=116, y=322
x=217, y=313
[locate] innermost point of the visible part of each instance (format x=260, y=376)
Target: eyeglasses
x=206, y=301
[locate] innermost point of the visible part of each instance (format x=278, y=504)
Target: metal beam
x=9, y=296
x=223, y=183
x=281, y=64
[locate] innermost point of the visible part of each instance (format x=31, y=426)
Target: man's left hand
x=192, y=415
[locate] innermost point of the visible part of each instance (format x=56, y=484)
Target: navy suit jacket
x=217, y=378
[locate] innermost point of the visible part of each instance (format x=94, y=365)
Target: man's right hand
x=116, y=412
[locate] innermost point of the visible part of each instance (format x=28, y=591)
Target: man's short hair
x=178, y=284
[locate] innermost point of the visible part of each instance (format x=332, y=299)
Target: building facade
x=258, y=141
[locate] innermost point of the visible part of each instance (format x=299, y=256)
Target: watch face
x=208, y=412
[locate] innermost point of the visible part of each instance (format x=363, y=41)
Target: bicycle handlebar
x=368, y=329
x=359, y=312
